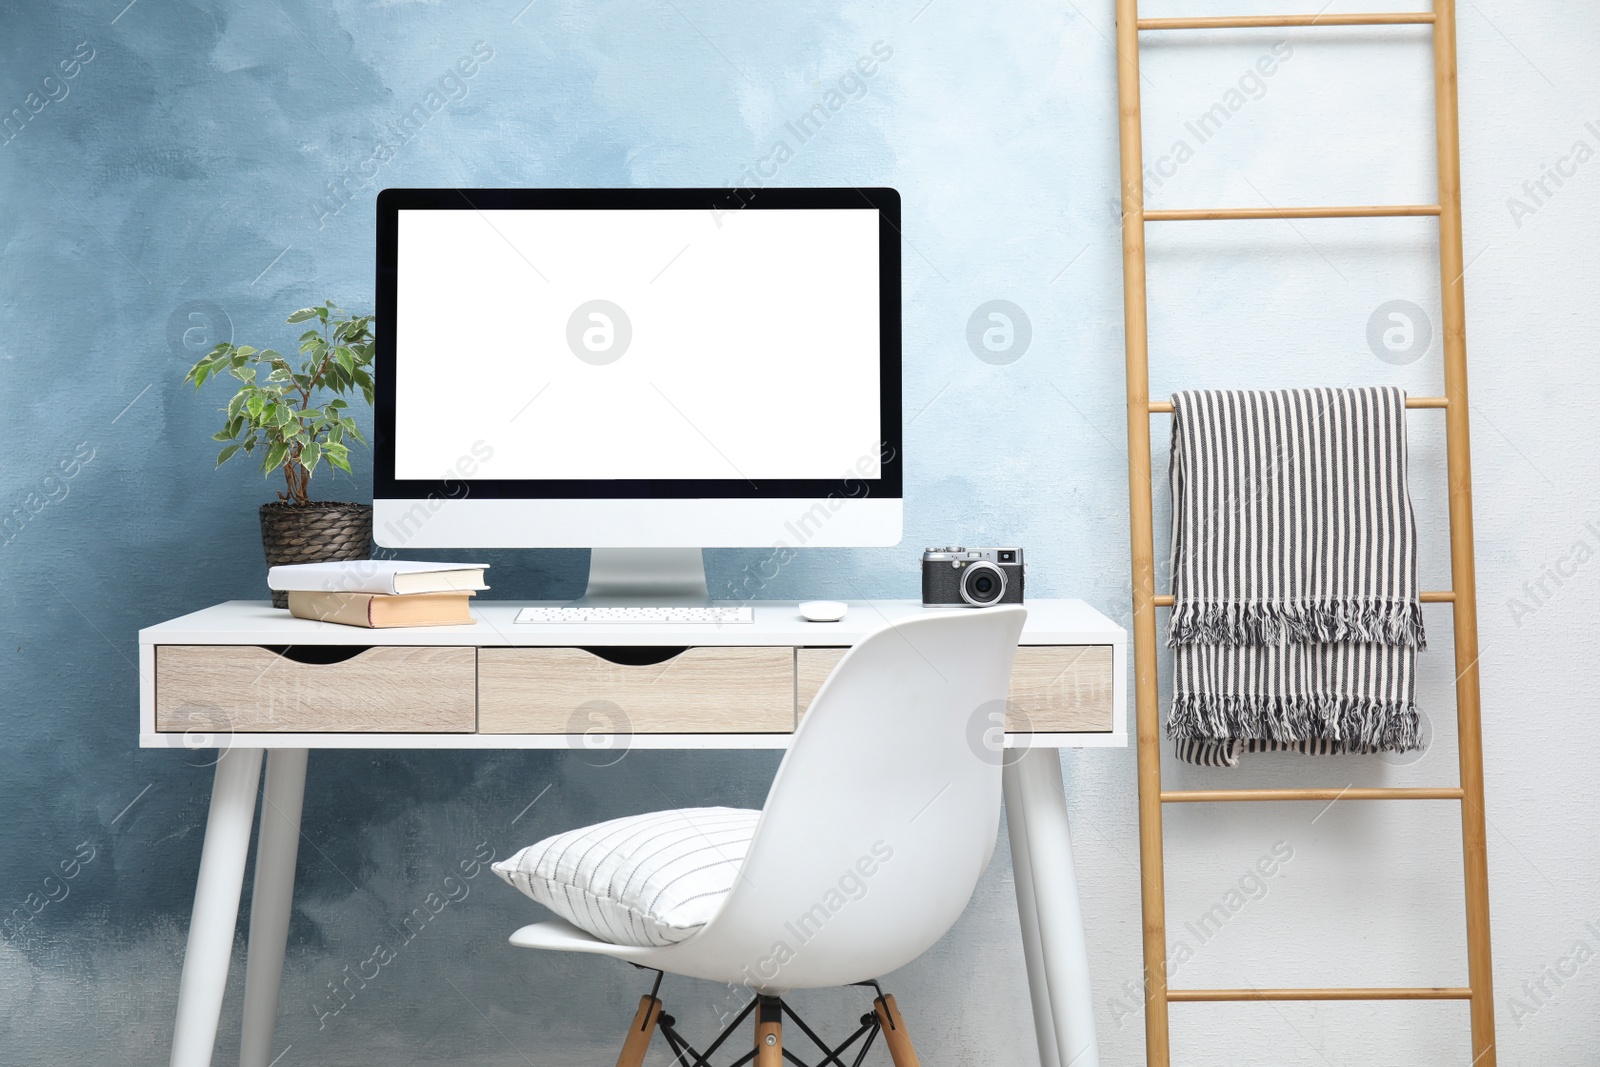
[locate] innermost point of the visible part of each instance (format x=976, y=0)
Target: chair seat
x=642, y=881
x=558, y=935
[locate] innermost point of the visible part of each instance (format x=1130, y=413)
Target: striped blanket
x=1296, y=619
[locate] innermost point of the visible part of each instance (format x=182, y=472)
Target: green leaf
x=299, y=417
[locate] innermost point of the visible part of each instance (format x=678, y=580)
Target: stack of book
x=380, y=592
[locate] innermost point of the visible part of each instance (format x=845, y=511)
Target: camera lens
x=983, y=584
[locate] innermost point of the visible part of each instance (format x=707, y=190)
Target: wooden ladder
x=1461, y=595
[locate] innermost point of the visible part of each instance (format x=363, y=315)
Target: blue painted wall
x=174, y=174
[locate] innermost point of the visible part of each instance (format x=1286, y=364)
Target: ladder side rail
x=1463, y=580
x=1141, y=515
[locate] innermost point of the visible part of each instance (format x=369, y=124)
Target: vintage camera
x=971, y=577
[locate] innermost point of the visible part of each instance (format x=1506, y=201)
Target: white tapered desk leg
x=277, y=847
x=1028, y=911
x=1034, y=791
x=216, y=906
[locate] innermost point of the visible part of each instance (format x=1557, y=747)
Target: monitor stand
x=646, y=577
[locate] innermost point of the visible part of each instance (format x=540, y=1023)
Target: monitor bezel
x=889, y=484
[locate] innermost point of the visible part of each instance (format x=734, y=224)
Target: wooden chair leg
x=894, y=1032
x=640, y=1032
x=769, y=1033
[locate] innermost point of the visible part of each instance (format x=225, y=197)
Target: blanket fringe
x=1383, y=621
x=1359, y=723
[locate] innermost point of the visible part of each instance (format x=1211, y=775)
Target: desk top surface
x=777, y=622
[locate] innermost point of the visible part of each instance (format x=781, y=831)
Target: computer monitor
x=644, y=372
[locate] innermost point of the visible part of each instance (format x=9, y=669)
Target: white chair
x=894, y=770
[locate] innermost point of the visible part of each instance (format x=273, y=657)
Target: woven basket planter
x=314, y=533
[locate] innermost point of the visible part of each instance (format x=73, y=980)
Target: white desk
x=243, y=678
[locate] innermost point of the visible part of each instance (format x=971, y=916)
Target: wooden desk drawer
x=1054, y=688
x=699, y=690
x=248, y=689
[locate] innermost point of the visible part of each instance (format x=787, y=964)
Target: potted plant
x=295, y=421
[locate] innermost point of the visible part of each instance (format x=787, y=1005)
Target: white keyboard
x=611, y=616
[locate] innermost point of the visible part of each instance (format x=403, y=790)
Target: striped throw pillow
x=646, y=880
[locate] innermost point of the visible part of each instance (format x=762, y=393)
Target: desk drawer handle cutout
x=317, y=655
x=635, y=655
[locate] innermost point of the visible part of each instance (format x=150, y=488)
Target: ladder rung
x=1394, y=993
x=1164, y=407
x=1427, y=596
x=1207, y=796
x=1370, y=211
x=1242, y=22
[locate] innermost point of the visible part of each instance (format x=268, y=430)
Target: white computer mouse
x=824, y=610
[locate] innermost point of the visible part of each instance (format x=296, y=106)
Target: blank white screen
x=754, y=350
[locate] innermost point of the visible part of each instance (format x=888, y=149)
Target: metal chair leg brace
x=769, y=1047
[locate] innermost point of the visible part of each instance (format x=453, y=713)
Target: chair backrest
x=885, y=810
